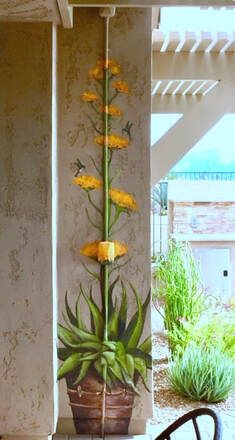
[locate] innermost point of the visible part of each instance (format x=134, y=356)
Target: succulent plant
x=122, y=358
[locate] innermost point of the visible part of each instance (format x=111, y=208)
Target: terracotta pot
x=98, y=410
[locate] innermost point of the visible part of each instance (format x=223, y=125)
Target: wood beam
x=66, y=13
x=150, y=3
x=190, y=128
x=193, y=66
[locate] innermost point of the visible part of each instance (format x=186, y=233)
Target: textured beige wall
x=29, y=10
x=130, y=42
x=26, y=377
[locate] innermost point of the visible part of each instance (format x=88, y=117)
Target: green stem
x=116, y=217
x=93, y=204
x=91, y=221
x=113, y=97
x=106, y=176
x=97, y=169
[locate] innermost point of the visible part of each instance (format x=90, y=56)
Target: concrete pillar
x=78, y=51
x=26, y=315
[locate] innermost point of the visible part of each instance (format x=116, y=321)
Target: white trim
x=66, y=13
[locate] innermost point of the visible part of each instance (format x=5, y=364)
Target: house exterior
x=202, y=212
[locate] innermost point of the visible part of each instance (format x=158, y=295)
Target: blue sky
x=214, y=152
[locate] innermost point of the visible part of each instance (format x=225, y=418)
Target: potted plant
x=102, y=361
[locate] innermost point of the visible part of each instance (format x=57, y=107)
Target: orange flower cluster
x=113, y=141
x=103, y=251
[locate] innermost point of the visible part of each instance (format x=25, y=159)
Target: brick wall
x=203, y=217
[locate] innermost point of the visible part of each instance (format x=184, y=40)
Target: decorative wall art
x=104, y=362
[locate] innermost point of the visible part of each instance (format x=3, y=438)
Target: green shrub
x=178, y=288
x=215, y=331
x=202, y=373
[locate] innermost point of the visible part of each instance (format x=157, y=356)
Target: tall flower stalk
x=106, y=178
x=112, y=347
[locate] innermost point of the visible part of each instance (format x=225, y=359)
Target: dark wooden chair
x=193, y=417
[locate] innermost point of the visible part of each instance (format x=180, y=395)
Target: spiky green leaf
x=64, y=353
x=85, y=365
x=91, y=346
x=111, y=289
x=146, y=346
x=130, y=365
x=121, y=354
x=91, y=316
x=70, y=314
x=101, y=369
x=66, y=336
x=96, y=315
x=89, y=356
x=117, y=372
x=69, y=364
x=113, y=325
x=134, y=320
x=112, y=345
x=109, y=357
x=129, y=382
x=80, y=322
x=139, y=353
x=122, y=313
x=140, y=366
x=138, y=327
x=84, y=336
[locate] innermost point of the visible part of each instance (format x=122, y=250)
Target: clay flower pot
x=98, y=410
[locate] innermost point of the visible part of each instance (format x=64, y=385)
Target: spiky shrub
x=178, y=288
x=202, y=374
x=122, y=358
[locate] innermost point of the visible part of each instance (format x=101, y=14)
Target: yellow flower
x=90, y=249
x=123, y=199
x=114, y=67
x=87, y=182
x=90, y=97
x=113, y=140
x=120, y=249
x=111, y=110
x=121, y=86
x=104, y=250
x=96, y=72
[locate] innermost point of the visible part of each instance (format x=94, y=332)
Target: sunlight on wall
x=197, y=19
x=161, y=123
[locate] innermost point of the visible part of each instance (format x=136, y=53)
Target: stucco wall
x=26, y=377
x=78, y=51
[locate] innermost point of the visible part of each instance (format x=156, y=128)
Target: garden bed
x=167, y=404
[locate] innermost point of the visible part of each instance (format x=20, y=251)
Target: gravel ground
x=168, y=405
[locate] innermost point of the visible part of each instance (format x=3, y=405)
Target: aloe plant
x=125, y=357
